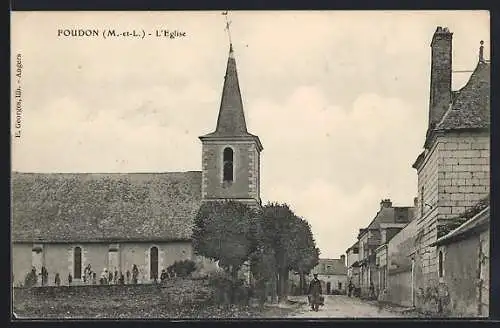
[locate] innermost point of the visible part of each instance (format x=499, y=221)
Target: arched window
x=77, y=263
x=440, y=263
x=228, y=165
x=153, y=263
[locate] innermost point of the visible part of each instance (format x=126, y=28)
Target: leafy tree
x=290, y=240
x=223, y=232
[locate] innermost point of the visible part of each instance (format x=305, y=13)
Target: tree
x=291, y=241
x=223, y=231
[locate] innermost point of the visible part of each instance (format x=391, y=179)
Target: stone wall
x=453, y=177
x=399, y=279
x=460, y=264
x=399, y=291
x=246, y=167
x=464, y=172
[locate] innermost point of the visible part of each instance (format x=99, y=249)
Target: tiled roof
x=330, y=266
x=471, y=104
x=470, y=214
x=85, y=207
x=479, y=222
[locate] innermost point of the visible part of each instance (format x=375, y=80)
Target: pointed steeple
x=231, y=120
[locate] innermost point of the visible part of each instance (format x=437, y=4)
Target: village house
x=66, y=221
x=386, y=259
x=332, y=273
x=454, y=168
x=352, y=257
x=395, y=267
x=453, y=180
x=388, y=221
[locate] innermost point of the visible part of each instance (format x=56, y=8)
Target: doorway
x=153, y=270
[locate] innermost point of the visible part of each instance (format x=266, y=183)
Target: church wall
x=21, y=262
x=59, y=258
x=246, y=180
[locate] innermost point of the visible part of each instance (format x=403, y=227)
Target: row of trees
x=272, y=239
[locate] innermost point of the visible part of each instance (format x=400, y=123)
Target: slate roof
x=470, y=108
x=330, y=266
x=390, y=215
x=231, y=120
x=355, y=245
x=92, y=207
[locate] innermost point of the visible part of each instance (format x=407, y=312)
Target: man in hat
x=315, y=292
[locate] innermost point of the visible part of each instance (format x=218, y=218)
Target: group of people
x=89, y=277
x=109, y=277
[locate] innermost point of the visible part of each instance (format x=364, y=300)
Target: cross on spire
x=228, y=23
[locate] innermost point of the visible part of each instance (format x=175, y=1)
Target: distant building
x=333, y=275
x=352, y=256
x=66, y=221
x=388, y=222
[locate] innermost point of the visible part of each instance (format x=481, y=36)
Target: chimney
x=385, y=203
x=440, y=93
x=342, y=258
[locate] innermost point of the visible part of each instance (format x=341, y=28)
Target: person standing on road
x=315, y=292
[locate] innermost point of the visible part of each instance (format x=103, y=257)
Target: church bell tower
x=230, y=154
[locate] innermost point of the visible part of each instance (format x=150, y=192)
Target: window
x=228, y=165
x=440, y=264
x=422, y=201
x=153, y=256
x=77, y=263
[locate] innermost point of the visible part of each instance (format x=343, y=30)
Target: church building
x=66, y=221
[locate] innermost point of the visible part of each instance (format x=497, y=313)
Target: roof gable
x=85, y=207
x=331, y=266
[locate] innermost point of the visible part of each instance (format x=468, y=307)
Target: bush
x=182, y=268
x=228, y=289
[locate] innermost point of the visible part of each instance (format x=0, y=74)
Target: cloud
x=337, y=163
x=339, y=103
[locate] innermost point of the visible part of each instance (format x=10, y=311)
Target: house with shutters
x=67, y=221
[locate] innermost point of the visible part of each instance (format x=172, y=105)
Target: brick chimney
x=385, y=203
x=440, y=93
x=342, y=258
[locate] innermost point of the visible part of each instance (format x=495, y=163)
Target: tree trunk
x=283, y=284
x=302, y=283
x=274, y=288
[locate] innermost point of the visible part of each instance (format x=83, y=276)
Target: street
x=342, y=306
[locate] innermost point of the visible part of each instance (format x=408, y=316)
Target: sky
x=338, y=99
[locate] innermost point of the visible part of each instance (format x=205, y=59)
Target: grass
x=130, y=302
